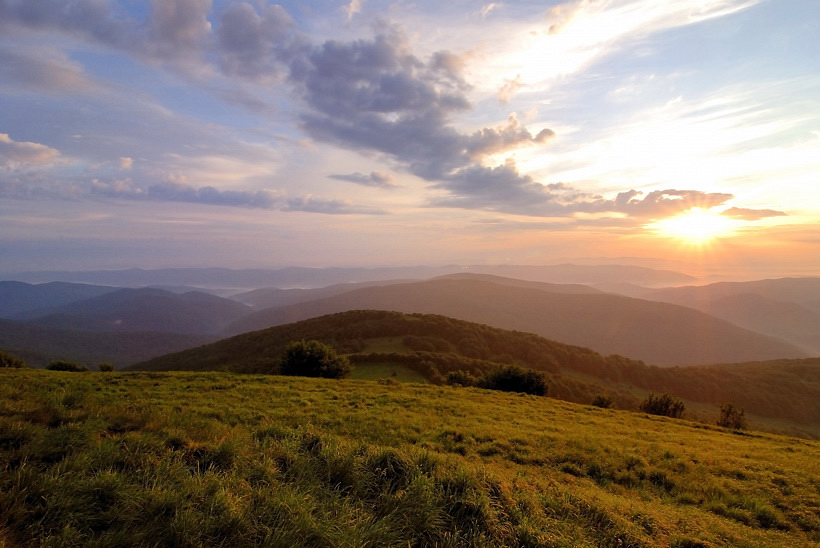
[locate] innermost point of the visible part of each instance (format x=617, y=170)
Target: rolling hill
x=655, y=332
x=18, y=298
x=788, y=308
x=143, y=309
x=432, y=345
x=38, y=346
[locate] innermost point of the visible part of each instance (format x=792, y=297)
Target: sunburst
x=696, y=226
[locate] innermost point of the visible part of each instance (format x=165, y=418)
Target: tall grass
x=215, y=459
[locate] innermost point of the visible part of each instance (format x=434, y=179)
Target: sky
x=194, y=133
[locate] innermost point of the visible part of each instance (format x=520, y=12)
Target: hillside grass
x=222, y=459
x=781, y=396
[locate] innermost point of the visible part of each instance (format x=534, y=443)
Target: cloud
x=368, y=95
x=488, y=8
x=751, y=214
x=251, y=45
x=354, y=7
x=126, y=163
x=84, y=18
x=178, y=29
x=24, y=154
x=312, y=204
x=663, y=203
x=501, y=188
x=170, y=191
x=378, y=179
x=509, y=89
x=562, y=15
x=41, y=69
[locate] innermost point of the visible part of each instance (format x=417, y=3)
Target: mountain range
x=684, y=325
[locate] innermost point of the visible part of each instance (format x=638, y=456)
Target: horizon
x=371, y=133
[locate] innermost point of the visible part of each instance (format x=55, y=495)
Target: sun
x=696, y=226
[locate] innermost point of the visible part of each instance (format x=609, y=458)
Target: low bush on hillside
x=461, y=378
x=731, y=417
x=11, y=361
x=61, y=365
x=602, y=401
x=314, y=359
x=513, y=378
x=664, y=405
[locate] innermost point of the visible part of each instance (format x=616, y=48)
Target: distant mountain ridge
x=657, y=333
x=144, y=309
x=736, y=322
x=788, y=308
x=18, y=297
x=301, y=277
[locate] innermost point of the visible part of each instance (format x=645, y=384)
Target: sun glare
x=697, y=226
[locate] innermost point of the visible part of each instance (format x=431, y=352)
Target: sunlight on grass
x=248, y=460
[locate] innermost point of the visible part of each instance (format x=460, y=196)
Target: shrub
x=60, y=365
x=664, y=405
x=9, y=360
x=106, y=367
x=513, y=378
x=604, y=402
x=731, y=417
x=314, y=359
x=460, y=378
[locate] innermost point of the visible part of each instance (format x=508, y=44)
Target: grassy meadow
x=226, y=459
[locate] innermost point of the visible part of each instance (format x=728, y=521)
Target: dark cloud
x=251, y=45
x=751, y=214
x=262, y=199
x=178, y=29
x=501, y=189
x=90, y=19
x=210, y=195
x=375, y=179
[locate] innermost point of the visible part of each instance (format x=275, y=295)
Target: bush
x=604, y=402
x=732, y=417
x=106, y=367
x=9, y=360
x=59, y=365
x=513, y=378
x=664, y=405
x=460, y=378
x=314, y=359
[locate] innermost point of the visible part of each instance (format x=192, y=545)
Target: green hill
x=220, y=459
x=780, y=395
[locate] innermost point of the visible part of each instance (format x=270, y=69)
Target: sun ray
x=697, y=226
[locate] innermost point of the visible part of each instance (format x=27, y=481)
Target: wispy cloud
x=374, y=179
x=748, y=214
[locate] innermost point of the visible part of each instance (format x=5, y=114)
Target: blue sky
x=322, y=133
